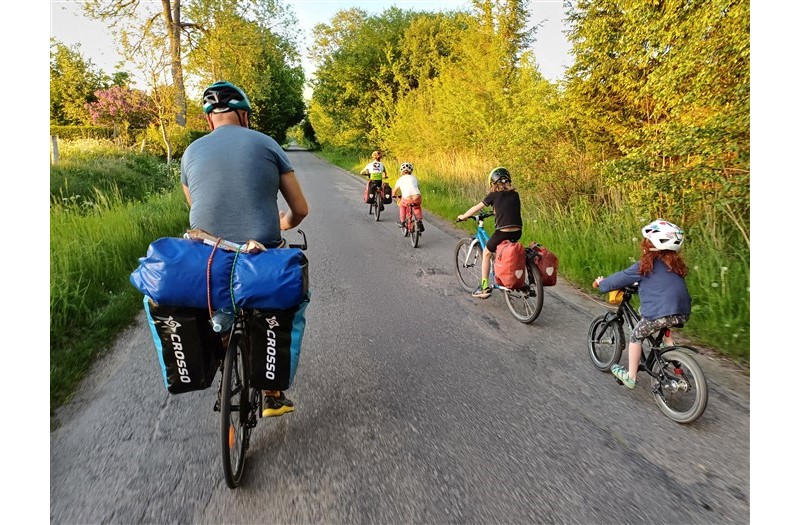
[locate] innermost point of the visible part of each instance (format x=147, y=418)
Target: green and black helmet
x=498, y=175
x=222, y=96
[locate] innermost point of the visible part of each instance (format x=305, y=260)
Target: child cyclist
x=663, y=294
x=504, y=200
x=406, y=189
x=376, y=171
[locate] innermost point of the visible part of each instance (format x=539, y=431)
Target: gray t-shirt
x=233, y=175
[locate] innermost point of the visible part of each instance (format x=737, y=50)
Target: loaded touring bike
x=239, y=403
x=526, y=303
x=677, y=382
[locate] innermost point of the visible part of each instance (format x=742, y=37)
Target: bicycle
x=376, y=204
x=239, y=403
x=678, y=384
x=525, y=304
x=411, y=224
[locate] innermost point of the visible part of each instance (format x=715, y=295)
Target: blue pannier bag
x=176, y=271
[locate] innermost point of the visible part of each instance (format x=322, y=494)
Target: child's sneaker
x=620, y=373
x=421, y=227
x=482, y=293
x=276, y=404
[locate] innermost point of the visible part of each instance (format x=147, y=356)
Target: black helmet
x=220, y=97
x=499, y=174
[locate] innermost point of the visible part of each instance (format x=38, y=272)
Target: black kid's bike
x=676, y=380
x=376, y=204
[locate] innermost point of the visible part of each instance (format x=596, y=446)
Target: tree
x=237, y=44
x=127, y=13
x=120, y=107
x=73, y=81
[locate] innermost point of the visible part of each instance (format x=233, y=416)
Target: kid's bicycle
x=411, y=225
x=526, y=303
x=376, y=204
x=677, y=383
x=239, y=403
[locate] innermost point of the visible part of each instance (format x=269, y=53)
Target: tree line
x=653, y=114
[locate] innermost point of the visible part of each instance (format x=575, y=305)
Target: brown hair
x=672, y=259
x=503, y=185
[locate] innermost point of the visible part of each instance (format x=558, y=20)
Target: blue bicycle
x=526, y=303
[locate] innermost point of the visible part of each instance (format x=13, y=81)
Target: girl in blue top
x=663, y=294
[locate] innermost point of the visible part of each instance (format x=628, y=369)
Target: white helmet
x=664, y=235
x=406, y=167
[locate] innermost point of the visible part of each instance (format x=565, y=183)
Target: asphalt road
x=415, y=404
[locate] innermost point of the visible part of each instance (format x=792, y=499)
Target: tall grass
x=591, y=242
x=92, y=253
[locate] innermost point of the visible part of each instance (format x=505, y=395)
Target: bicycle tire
x=606, y=342
x=234, y=429
x=414, y=233
x=526, y=304
x=681, y=396
x=468, y=273
x=404, y=227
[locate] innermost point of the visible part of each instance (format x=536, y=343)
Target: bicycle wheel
x=414, y=233
x=526, y=304
x=238, y=399
x=378, y=204
x=680, y=391
x=468, y=255
x=606, y=342
x=404, y=228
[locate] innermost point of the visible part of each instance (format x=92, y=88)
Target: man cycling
x=231, y=179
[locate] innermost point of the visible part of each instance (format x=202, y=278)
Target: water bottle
x=222, y=320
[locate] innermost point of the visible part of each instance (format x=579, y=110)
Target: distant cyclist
x=505, y=202
x=407, y=189
x=231, y=178
x=376, y=171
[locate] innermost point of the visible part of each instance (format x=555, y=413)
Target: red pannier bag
x=509, y=265
x=547, y=262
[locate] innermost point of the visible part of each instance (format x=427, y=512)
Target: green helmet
x=222, y=96
x=499, y=174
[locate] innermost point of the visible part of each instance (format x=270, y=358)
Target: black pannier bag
x=276, y=337
x=188, y=349
x=387, y=193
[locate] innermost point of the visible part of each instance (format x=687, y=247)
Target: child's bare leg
x=487, y=257
x=634, y=353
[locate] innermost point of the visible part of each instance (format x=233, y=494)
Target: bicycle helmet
x=498, y=175
x=406, y=167
x=664, y=235
x=222, y=96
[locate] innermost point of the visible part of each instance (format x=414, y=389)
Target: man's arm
x=187, y=194
x=298, y=207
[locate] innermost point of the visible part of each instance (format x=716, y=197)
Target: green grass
x=92, y=254
x=591, y=242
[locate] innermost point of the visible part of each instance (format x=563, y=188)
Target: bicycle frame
x=481, y=238
x=629, y=317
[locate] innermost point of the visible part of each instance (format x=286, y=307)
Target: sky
x=69, y=26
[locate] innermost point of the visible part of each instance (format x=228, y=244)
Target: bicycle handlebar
x=303, y=245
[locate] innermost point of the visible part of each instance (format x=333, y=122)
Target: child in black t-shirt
x=504, y=200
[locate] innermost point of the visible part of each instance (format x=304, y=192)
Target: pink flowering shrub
x=120, y=106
